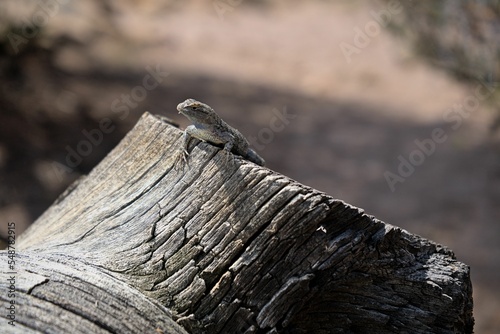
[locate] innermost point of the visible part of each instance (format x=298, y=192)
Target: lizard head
x=196, y=111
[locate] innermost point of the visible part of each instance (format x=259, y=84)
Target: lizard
x=209, y=127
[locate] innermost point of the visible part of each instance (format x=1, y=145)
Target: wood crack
x=229, y=247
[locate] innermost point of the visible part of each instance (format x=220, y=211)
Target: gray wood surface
x=222, y=245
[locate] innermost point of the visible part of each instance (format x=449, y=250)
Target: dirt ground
x=362, y=111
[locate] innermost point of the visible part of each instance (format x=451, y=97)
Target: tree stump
x=145, y=244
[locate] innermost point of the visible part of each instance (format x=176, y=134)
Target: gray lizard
x=209, y=127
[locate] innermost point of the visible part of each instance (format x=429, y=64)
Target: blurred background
x=392, y=106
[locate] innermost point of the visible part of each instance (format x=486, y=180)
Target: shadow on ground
x=342, y=149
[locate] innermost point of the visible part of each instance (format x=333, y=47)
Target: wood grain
x=221, y=245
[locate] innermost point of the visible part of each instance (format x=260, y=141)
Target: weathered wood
x=228, y=247
x=61, y=294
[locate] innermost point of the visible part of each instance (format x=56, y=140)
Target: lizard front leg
x=185, y=143
x=229, y=143
x=228, y=146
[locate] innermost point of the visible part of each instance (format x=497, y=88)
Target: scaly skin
x=209, y=127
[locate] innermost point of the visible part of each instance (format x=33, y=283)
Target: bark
x=146, y=243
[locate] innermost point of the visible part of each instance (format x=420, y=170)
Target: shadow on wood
x=221, y=245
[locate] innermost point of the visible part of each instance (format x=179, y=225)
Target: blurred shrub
x=459, y=36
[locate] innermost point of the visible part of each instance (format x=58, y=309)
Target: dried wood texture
x=60, y=294
x=231, y=247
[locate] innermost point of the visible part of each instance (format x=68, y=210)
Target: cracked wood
x=227, y=246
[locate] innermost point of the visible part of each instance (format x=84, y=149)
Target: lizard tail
x=254, y=157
